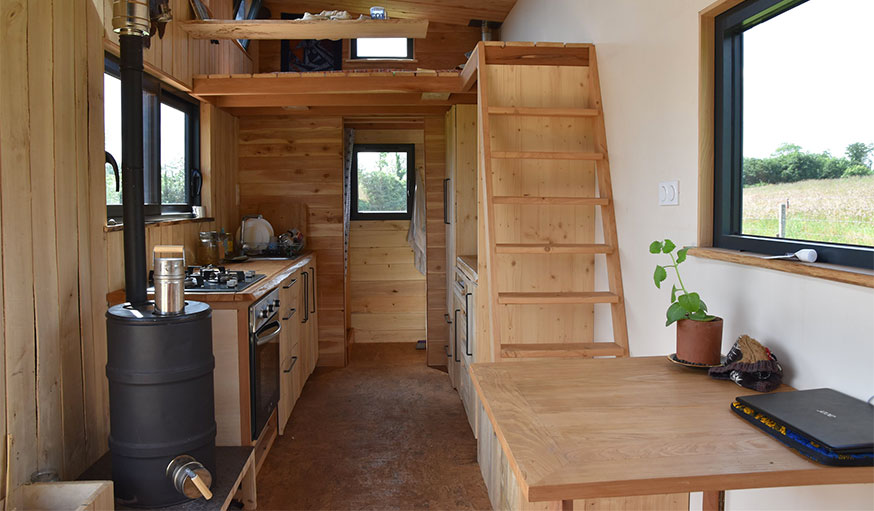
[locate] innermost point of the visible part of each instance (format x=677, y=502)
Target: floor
x=386, y=432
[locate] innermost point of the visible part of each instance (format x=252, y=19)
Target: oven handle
x=273, y=328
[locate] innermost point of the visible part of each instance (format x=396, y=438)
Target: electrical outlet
x=669, y=193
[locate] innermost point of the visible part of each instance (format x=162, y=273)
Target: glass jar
x=209, y=249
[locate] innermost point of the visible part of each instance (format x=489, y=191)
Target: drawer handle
x=290, y=314
x=290, y=284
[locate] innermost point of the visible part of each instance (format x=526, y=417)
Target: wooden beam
x=242, y=85
x=392, y=99
x=469, y=73
x=340, y=110
x=304, y=29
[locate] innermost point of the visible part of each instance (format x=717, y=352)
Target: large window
x=794, y=137
x=170, y=146
x=383, y=180
x=381, y=48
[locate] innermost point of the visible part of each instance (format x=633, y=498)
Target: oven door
x=264, y=371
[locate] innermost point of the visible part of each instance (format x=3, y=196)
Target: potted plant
x=699, y=334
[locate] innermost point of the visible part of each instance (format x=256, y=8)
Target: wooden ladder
x=543, y=153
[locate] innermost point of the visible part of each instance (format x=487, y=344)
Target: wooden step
x=552, y=248
x=546, y=155
x=562, y=350
x=555, y=201
x=557, y=298
x=544, y=112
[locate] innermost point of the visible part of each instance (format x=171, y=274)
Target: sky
x=809, y=78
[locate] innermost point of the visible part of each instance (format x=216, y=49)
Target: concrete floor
x=386, y=432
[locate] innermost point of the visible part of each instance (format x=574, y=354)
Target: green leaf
x=674, y=293
x=659, y=276
x=681, y=255
x=668, y=246
x=655, y=247
x=703, y=306
x=690, y=302
x=701, y=316
x=675, y=313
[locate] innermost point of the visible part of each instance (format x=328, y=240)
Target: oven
x=264, y=329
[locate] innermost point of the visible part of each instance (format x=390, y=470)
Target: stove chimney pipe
x=130, y=19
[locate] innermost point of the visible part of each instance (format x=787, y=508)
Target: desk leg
x=714, y=501
x=567, y=505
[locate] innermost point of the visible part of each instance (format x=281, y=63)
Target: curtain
x=416, y=234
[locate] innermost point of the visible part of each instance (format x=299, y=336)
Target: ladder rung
x=557, y=298
x=544, y=112
x=546, y=155
x=562, y=350
x=549, y=248
x=557, y=201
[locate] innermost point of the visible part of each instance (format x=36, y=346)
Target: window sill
x=845, y=274
x=160, y=223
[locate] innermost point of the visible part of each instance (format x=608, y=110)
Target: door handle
x=306, y=297
x=293, y=361
x=274, y=329
x=313, y=287
x=467, y=324
x=446, y=201
x=455, y=330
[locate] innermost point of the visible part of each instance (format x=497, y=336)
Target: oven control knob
x=270, y=307
x=276, y=303
x=264, y=314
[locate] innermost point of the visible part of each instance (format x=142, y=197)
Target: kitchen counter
x=467, y=264
x=275, y=270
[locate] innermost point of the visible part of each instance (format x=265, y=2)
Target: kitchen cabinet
x=289, y=294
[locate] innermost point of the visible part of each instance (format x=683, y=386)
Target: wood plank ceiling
x=455, y=12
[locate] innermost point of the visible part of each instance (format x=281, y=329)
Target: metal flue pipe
x=130, y=19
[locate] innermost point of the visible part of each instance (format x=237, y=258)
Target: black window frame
x=252, y=13
x=155, y=93
x=728, y=144
x=410, y=149
x=353, y=51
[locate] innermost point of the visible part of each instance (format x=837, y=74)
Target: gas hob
x=215, y=279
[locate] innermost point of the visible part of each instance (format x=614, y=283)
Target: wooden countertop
x=467, y=264
x=275, y=271
x=577, y=429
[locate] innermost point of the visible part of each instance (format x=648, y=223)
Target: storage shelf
x=557, y=298
x=304, y=29
x=550, y=248
x=562, y=350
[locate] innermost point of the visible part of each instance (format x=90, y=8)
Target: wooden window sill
x=845, y=274
x=158, y=223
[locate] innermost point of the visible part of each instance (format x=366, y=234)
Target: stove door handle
x=267, y=333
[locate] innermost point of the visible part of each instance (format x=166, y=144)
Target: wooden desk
x=605, y=428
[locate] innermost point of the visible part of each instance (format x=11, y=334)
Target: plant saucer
x=673, y=358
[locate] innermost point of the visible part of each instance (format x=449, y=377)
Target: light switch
x=669, y=193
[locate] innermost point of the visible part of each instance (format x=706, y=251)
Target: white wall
x=822, y=332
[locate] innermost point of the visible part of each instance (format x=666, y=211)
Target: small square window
x=383, y=181
x=381, y=48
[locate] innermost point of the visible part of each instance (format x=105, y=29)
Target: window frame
x=353, y=51
x=728, y=144
x=158, y=94
x=410, y=149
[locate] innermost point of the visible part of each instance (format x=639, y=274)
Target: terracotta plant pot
x=699, y=342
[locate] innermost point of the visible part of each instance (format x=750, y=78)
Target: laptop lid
x=838, y=421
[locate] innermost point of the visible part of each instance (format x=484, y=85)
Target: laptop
x=839, y=422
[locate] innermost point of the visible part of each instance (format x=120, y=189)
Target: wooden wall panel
x=387, y=291
x=300, y=160
x=435, y=163
x=175, y=57
x=219, y=132
x=58, y=262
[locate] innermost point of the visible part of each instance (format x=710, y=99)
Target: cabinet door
x=286, y=338
x=297, y=374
